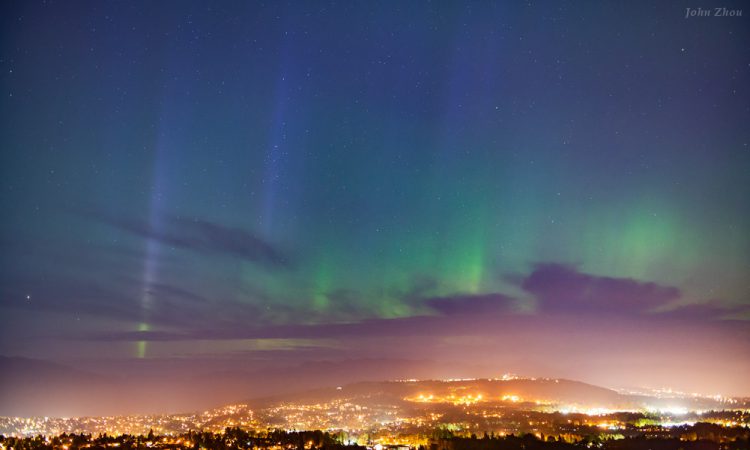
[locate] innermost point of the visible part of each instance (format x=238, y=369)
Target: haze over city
x=209, y=202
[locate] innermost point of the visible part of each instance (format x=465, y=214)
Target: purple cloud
x=561, y=288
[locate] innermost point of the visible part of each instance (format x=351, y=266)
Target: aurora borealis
x=558, y=187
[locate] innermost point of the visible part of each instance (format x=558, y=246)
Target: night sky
x=549, y=188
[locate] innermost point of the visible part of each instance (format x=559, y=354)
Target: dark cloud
x=406, y=326
x=204, y=237
x=162, y=290
x=346, y=303
x=211, y=237
x=558, y=289
x=419, y=288
x=494, y=303
x=712, y=310
x=461, y=314
x=135, y=336
x=562, y=288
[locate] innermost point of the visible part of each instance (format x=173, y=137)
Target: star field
x=184, y=179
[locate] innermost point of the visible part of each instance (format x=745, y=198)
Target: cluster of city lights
x=462, y=407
